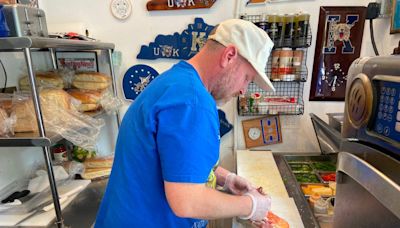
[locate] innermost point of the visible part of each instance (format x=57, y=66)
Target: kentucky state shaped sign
x=178, y=4
x=178, y=46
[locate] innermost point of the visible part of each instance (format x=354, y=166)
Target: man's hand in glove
x=237, y=185
x=261, y=206
x=231, y=182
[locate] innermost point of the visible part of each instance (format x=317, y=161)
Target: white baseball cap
x=252, y=43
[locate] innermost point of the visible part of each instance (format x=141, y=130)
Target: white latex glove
x=237, y=185
x=261, y=205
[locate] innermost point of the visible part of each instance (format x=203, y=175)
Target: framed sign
x=339, y=38
x=395, y=23
x=77, y=61
x=178, y=4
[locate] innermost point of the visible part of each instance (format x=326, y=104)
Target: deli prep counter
x=289, y=180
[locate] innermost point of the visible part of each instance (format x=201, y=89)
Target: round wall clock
x=121, y=9
x=136, y=79
x=254, y=133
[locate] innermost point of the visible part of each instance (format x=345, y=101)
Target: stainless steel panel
x=12, y=43
x=329, y=139
x=366, y=196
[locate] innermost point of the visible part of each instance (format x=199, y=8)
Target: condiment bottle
x=321, y=206
x=313, y=199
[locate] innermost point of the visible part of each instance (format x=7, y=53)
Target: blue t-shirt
x=171, y=133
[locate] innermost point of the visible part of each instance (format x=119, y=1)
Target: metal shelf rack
x=42, y=138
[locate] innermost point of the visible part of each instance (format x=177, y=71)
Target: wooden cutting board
x=259, y=167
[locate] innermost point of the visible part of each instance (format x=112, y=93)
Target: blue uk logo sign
x=179, y=45
x=339, y=32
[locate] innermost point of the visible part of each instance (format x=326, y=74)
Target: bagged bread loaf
x=91, y=81
x=50, y=99
x=90, y=99
x=43, y=79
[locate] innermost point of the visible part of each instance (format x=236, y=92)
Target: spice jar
x=60, y=153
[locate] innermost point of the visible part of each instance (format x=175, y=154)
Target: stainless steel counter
x=83, y=209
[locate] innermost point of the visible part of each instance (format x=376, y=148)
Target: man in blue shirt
x=166, y=163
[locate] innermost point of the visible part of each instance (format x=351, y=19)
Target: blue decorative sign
x=178, y=46
x=224, y=125
x=136, y=79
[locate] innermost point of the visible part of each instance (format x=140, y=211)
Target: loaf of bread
x=86, y=96
x=105, y=162
x=95, y=173
x=51, y=100
x=43, y=79
x=91, y=81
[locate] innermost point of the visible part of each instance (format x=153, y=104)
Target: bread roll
x=105, y=162
x=86, y=97
x=94, y=173
x=91, y=81
x=88, y=107
x=46, y=79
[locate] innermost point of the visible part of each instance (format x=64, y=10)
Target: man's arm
x=199, y=201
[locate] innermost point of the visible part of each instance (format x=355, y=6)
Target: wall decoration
x=262, y=131
x=224, y=125
x=395, y=23
x=251, y=2
x=121, y=9
x=136, y=79
x=77, y=61
x=178, y=4
x=339, y=38
x=178, y=46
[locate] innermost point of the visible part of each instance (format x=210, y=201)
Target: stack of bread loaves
x=89, y=89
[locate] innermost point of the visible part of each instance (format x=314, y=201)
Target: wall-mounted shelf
x=286, y=69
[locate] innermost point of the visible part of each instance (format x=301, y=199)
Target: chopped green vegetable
x=325, y=166
x=299, y=167
x=306, y=178
x=79, y=154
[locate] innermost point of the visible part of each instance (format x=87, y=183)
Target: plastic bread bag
x=44, y=79
x=7, y=123
x=7, y=118
x=67, y=76
x=110, y=103
x=79, y=129
x=59, y=116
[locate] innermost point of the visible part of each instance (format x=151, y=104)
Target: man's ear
x=229, y=55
